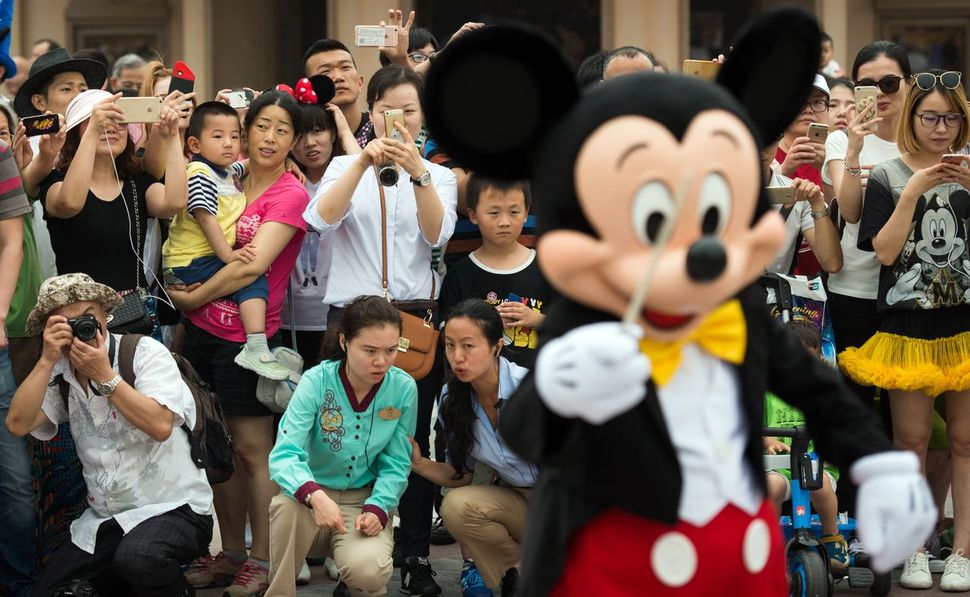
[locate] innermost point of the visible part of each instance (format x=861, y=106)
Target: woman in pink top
x=273, y=222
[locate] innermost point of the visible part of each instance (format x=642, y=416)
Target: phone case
x=513, y=298
x=391, y=116
x=183, y=79
x=863, y=97
x=41, y=125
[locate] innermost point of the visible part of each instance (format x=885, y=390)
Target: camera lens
x=387, y=174
x=84, y=329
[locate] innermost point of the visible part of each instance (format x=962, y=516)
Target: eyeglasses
x=818, y=105
x=927, y=81
x=888, y=84
x=931, y=119
x=418, y=57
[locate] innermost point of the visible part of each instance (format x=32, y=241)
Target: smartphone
x=780, y=195
x=375, y=36
x=817, y=132
x=43, y=124
x=513, y=298
x=957, y=159
x=702, y=69
x=240, y=98
x=390, y=117
x=140, y=109
x=864, y=96
x=183, y=79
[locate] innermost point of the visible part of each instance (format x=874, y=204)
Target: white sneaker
x=956, y=574
x=303, y=578
x=331, y=567
x=916, y=572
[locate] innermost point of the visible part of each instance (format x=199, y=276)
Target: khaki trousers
x=488, y=520
x=364, y=563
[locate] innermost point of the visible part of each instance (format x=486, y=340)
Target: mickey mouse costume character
x=647, y=434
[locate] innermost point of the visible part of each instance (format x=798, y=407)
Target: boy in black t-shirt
x=502, y=271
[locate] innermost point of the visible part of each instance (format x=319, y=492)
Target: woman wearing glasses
x=850, y=155
x=915, y=219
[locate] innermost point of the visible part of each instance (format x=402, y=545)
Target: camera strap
x=384, y=284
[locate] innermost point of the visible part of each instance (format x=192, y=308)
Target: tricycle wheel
x=809, y=574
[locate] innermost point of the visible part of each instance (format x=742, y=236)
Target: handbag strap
x=380, y=188
x=134, y=197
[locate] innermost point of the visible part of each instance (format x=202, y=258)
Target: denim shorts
x=213, y=359
x=203, y=268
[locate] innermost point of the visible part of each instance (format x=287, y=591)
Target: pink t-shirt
x=283, y=202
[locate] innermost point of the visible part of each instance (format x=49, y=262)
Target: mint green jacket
x=326, y=439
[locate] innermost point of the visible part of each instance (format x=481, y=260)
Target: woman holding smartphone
x=488, y=520
x=355, y=212
x=915, y=219
x=870, y=139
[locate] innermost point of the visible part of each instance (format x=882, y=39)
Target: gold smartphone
x=702, y=69
x=780, y=195
x=864, y=96
x=140, y=109
x=957, y=159
x=390, y=117
x=817, y=132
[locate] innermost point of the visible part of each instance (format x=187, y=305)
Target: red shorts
x=618, y=554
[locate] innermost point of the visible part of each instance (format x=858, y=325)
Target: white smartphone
x=375, y=36
x=780, y=195
x=240, y=98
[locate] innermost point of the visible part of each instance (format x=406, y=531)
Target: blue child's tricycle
x=806, y=557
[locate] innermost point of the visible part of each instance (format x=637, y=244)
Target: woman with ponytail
x=487, y=520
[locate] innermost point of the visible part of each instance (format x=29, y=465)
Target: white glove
x=895, y=506
x=594, y=372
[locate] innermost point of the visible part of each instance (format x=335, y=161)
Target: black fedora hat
x=53, y=63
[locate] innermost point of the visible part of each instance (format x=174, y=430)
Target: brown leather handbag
x=419, y=339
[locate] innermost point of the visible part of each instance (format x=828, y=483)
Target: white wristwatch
x=105, y=389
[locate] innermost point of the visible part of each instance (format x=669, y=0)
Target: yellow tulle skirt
x=895, y=362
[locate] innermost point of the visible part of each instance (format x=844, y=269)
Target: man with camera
x=149, y=507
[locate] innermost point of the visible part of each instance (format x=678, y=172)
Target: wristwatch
x=822, y=213
x=105, y=389
x=422, y=181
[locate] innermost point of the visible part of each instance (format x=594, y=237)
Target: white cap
x=820, y=84
x=81, y=106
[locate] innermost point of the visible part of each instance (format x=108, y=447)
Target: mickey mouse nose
x=706, y=259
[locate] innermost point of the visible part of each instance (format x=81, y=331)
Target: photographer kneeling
x=148, y=505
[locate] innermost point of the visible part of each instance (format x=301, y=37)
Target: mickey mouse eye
x=715, y=204
x=653, y=206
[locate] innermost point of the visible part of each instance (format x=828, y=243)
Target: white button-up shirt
x=355, y=269
x=705, y=418
x=129, y=476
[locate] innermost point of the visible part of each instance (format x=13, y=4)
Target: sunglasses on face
x=927, y=81
x=931, y=119
x=888, y=84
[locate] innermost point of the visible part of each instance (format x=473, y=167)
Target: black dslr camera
x=85, y=327
x=78, y=587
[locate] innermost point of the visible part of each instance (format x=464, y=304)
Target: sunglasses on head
x=888, y=84
x=927, y=81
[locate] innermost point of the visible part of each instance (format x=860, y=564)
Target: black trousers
x=145, y=563
x=417, y=503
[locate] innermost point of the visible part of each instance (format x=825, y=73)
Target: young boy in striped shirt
x=201, y=237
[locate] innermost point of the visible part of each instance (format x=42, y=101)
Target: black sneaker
x=416, y=578
x=439, y=534
x=510, y=582
x=341, y=590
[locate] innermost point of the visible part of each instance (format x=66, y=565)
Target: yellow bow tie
x=722, y=333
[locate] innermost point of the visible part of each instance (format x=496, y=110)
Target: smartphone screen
x=375, y=36
x=41, y=125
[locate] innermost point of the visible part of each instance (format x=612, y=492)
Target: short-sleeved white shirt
x=859, y=276
x=129, y=476
x=798, y=221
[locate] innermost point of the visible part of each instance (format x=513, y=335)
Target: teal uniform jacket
x=326, y=439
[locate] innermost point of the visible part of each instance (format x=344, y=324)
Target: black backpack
x=210, y=440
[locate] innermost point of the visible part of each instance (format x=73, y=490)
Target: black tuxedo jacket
x=629, y=461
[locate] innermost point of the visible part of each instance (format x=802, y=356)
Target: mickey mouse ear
x=493, y=95
x=772, y=67
x=324, y=88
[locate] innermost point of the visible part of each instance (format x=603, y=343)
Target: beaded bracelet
x=857, y=171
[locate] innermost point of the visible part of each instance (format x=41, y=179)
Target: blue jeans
x=18, y=514
x=203, y=268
